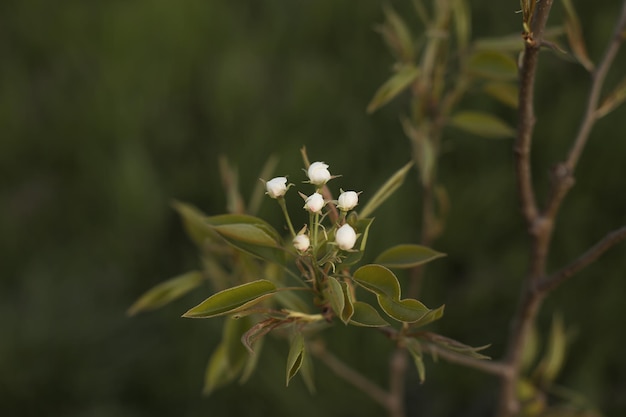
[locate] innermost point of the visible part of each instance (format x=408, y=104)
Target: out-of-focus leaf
x=259, y=189
x=306, y=371
x=462, y=23
x=194, y=222
x=393, y=86
x=424, y=151
x=455, y=346
x=506, y=93
x=512, y=42
x=233, y=299
x=613, y=100
x=397, y=35
x=575, y=35
x=384, y=192
x=407, y=256
x=554, y=357
x=229, y=357
x=533, y=401
x=295, y=356
x=249, y=234
x=230, y=182
x=529, y=350
x=366, y=316
x=482, y=124
x=255, y=334
x=166, y=292
x=418, y=358
x=251, y=363
x=492, y=65
x=432, y=315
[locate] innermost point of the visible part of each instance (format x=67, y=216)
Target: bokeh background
x=109, y=110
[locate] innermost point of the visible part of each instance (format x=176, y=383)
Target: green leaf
x=393, y=86
x=384, y=192
x=251, y=363
x=407, y=256
x=233, y=299
x=613, y=100
x=575, y=35
x=334, y=294
x=432, y=315
x=229, y=357
x=407, y=310
x=348, y=303
x=415, y=350
x=493, y=65
x=194, y=222
x=250, y=235
x=482, y=124
x=425, y=153
x=366, y=316
x=166, y=292
x=306, y=371
x=462, y=23
x=382, y=282
x=295, y=356
x=379, y=280
x=397, y=35
x=505, y=93
x=552, y=361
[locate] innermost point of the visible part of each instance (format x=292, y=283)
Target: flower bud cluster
x=319, y=175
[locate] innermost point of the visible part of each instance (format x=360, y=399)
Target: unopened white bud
x=301, y=242
x=347, y=200
x=276, y=187
x=318, y=173
x=314, y=203
x=345, y=237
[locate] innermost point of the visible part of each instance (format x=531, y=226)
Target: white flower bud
x=301, y=242
x=345, y=237
x=276, y=187
x=314, y=203
x=347, y=200
x=318, y=173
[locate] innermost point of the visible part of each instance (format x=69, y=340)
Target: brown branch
x=348, y=374
x=563, y=173
x=398, y=365
x=593, y=253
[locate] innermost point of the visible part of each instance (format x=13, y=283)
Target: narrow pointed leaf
x=348, y=304
x=251, y=362
x=166, y=292
x=194, y=222
x=242, y=219
x=432, y=315
x=232, y=300
x=295, y=356
x=306, y=371
x=334, y=295
x=575, y=35
x=384, y=192
x=613, y=100
x=462, y=23
x=217, y=371
x=362, y=227
x=246, y=233
x=392, y=87
x=482, y=124
x=407, y=256
x=418, y=358
x=366, y=316
x=493, y=65
x=552, y=362
x=398, y=36
x=506, y=93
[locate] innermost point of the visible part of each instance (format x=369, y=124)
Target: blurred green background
x=109, y=110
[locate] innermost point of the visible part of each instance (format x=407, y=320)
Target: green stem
x=283, y=206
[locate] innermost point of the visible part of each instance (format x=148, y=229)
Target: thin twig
x=350, y=375
x=593, y=253
x=563, y=174
x=397, y=371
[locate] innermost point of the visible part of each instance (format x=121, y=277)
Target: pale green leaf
x=554, y=357
x=432, y=315
x=334, y=295
x=393, y=86
x=482, y=124
x=575, y=35
x=387, y=189
x=366, y=316
x=194, y=222
x=233, y=299
x=217, y=372
x=295, y=356
x=166, y=292
x=462, y=23
x=506, y=93
x=415, y=350
x=407, y=256
x=379, y=280
x=492, y=65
